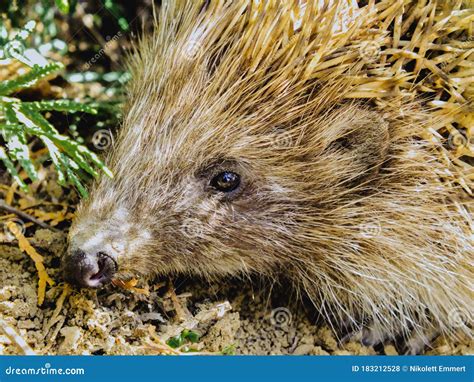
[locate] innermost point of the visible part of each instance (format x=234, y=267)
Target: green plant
x=44, y=10
x=185, y=337
x=228, y=350
x=21, y=120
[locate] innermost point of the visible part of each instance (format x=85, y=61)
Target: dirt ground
x=232, y=317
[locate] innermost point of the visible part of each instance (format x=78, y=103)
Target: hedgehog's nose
x=89, y=270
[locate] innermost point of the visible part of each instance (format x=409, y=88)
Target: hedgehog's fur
x=341, y=196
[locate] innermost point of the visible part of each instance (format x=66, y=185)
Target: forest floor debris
x=228, y=317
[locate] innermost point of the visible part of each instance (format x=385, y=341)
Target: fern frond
x=29, y=79
x=18, y=150
x=66, y=105
x=11, y=169
x=21, y=120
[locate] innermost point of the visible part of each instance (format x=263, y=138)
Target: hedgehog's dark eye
x=226, y=181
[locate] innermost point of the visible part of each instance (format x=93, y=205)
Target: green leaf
x=39, y=125
x=77, y=152
x=74, y=179
x=181, y=339
x=116, y=11
x=24, y=116
x=11, y=169
x=191, y=336
x=18, y=150
x=13, y=128
x=63, y=5
x=55, y=157
x=26, y=30
x=60, y=105
x=176, y=342
x=228, y=350
x=20, y=120
x=29, y=79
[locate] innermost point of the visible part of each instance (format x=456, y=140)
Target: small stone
x=390, y=350
x=303, y=349
x=71, y=334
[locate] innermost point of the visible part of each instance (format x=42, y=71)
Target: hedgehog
x=250, y=147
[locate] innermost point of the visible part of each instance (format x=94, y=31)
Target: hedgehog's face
x=222, y=165
x=219, y=202
x=205, y=209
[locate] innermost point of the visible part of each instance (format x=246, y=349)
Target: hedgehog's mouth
x=90, y=270
x=107, y=268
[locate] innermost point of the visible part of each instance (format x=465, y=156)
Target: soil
x=231, y=317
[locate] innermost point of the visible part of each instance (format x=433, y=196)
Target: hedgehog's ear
x=363, y=143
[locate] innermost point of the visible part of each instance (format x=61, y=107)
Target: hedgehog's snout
x=91, y=270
